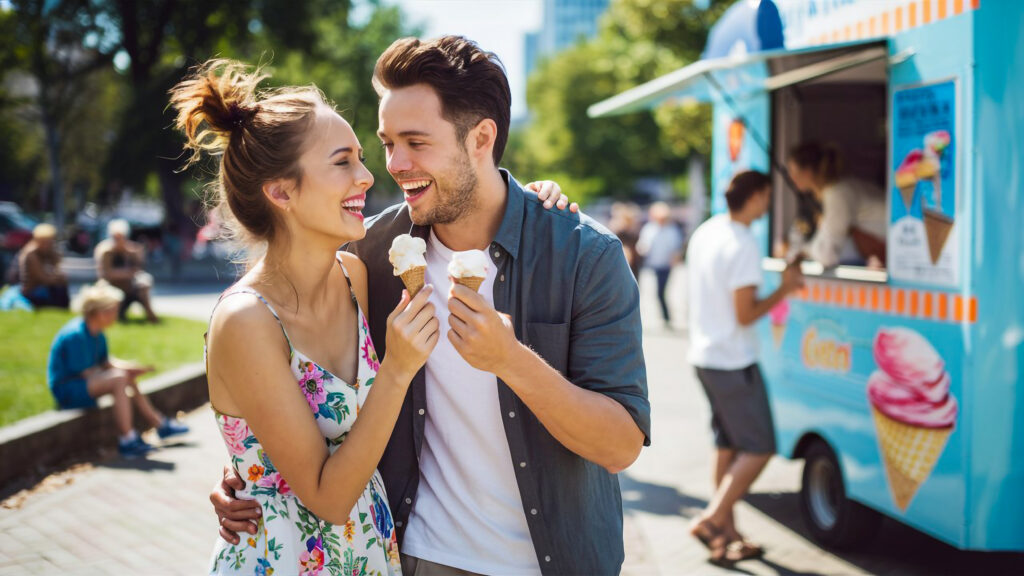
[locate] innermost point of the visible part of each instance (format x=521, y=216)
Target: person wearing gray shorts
x=724, y=273
x=741, y=419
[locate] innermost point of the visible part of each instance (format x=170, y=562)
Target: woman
x=853, y=225
x=80, y=370
x=43, y=283
x=304, y=404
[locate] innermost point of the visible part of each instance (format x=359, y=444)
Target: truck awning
x=742, y=76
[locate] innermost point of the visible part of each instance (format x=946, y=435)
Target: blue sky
x=497, y=25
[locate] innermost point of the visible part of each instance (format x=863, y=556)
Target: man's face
x=425, y=157
x=763, y=198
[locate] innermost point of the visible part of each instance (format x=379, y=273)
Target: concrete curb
x=31, y=446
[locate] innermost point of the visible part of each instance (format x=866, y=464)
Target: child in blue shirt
x=80, y=370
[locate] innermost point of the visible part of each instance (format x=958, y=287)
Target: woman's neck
x=297, y=272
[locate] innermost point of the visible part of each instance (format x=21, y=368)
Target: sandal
x=739, y=550
x=713, y=538
x=707, y=533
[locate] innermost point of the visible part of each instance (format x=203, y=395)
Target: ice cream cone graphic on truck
x=913, y=410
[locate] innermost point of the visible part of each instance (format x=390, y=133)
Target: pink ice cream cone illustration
x=907, y=176
x=913, y=410
x=937, y=142
x=779, y=317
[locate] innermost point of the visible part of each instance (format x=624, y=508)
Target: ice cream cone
x=909, y=453
x=908, y=195
x=413, y=279
x=471, y=282
x=778, y=333
x=937, y=227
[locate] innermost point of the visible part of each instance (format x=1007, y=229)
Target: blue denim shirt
x=565, y=283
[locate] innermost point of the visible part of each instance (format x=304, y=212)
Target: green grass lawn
x=25, y=339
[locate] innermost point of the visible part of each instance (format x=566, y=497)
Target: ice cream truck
x=898, y=385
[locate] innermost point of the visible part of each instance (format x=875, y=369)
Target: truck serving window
x=830, y=132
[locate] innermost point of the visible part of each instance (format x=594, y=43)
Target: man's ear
x=278, y=192
x=480, y=141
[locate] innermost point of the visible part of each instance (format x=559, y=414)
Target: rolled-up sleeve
x=605, y=343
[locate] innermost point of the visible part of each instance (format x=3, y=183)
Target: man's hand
x=792, y=277
x=234, y=515
x=483, y=336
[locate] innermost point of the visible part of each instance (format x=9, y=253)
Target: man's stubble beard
x=455, y=199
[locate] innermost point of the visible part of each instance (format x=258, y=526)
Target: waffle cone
x=778, y=333
x=413, y=279
x=909, y=453
x=937, y=227
x=907, y=192
x=471, y=282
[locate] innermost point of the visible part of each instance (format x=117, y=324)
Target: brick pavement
x=153, y=517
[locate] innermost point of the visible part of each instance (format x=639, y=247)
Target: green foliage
x=638, y=41
x=113, y=122
x=340, y=62
x=27, y=337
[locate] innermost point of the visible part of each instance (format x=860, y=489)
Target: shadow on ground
x=897, y=548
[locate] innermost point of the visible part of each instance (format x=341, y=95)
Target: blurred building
x=565, y=23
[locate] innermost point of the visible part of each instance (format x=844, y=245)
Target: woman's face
x=802, y=177
x=331, y=196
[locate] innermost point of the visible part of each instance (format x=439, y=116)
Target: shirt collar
x=511, y=229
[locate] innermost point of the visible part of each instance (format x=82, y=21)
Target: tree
x=47, y=47
x=638, y=40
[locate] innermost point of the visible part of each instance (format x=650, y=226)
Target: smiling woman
x=304, y=404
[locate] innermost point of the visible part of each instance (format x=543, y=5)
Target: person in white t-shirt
x=724, y=272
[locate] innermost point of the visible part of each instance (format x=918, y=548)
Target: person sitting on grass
x=80, y=370
x=120, y=262
x=42, y=281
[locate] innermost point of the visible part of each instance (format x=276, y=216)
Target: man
x=504, y=456
x=724, y=274
x=120, y=262
x=660, y=244
x=42, y=281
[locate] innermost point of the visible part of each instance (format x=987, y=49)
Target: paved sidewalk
x=153, y=516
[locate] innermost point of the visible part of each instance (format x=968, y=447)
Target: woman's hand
x=550, y=193
x=413, y=330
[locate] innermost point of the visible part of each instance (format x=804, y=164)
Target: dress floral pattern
x=291, y=539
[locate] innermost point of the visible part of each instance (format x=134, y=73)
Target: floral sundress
x=291, y=539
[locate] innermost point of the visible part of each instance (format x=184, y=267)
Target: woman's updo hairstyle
x=258, y=134
x=824, y=160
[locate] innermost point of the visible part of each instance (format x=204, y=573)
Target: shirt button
x=497, y=254
x=547, y=558
x=511, y=414
x=533, y=511
x=522, y=464
x=399, y=523
x=502, y=279
x=408, y=500
x=422, y=411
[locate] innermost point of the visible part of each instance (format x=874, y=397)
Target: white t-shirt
x=722, y=257
x=845, y=204
x=468, y=512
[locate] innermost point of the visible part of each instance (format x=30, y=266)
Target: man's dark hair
x=743, y=186
x=470, y=82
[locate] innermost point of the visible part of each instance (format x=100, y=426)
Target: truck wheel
x=834, y=520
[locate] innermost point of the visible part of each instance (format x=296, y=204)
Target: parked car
x=15, y=231
x=15, y=227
